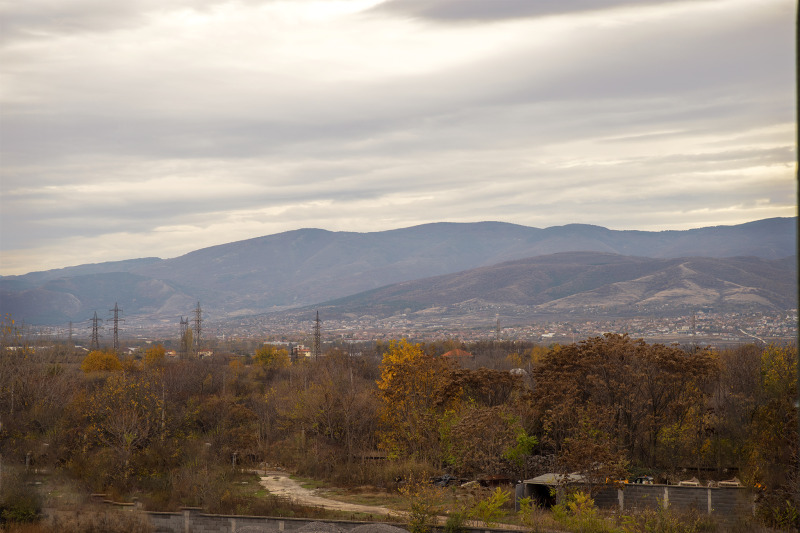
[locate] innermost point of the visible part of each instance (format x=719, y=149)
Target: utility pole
x=316, y=336
x=116, y=320
x=94, y=344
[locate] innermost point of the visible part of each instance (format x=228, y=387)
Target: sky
x=156, y=127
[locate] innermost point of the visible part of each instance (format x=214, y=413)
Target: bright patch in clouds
x=144, y=128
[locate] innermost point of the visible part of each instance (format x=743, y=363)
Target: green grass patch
x=308, y=483
x=374, y=497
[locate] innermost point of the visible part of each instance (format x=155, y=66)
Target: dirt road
x=280, y=484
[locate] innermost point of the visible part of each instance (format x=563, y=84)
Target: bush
x=779, y=510
x=455, y=522
x=489, y=510
x=20, y=503
x=578, y=513
x=424, y=501
x=532, y=517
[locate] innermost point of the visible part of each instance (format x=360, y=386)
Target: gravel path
x=280, y=484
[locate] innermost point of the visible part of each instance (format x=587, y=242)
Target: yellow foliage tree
x=779, y=371
x=412, y=388
x=154, y=357
x=773, y=430
x=271, y=357
x=269, y=360
x=100, y=361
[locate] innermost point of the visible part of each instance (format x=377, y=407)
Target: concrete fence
x=193, y=520
x=723, y=501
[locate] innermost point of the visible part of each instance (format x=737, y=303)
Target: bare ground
x=279, y=483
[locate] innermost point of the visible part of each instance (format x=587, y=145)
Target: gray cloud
x=480, y=10
x=681, y=114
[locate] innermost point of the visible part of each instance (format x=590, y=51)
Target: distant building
x=458, y=352
x=301, y=351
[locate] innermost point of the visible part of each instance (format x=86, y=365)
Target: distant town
x=701, y=328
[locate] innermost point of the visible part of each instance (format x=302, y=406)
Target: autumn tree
x=412, y=392
x=125, y=415
x=100, y=361
x=485, y=440
x=772, y=439
x=155, y=356
x=629, y=390
x=734, y=401
x=187, y=343
x=269, y=360
x=340, y=406
x=228, y=425
x=15, y=363
x=483, y=386
x=35, y=388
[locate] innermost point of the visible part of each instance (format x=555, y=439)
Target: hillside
x=588, y=283
x=308, y=266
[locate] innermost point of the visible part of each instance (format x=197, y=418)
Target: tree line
x=609, y=407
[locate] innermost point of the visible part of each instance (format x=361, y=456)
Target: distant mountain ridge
x=308, y=266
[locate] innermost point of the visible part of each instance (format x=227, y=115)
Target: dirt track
x=280, y=484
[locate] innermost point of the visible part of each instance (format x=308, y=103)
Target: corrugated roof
x=458, y=352
x=553, y=478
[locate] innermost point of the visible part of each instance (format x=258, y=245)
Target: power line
x=198, y=325
x=94, y=344
x=316, y=336
x=116, y=319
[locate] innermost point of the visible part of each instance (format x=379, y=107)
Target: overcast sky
x=145, y=128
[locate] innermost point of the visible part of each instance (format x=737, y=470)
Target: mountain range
x=424, y=266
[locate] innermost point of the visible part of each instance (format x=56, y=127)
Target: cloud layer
x=143, y=128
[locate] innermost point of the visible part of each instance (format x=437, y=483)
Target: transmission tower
x=497, y=327
x=316, y=336
x=198, y=324
x=94, y=344
x=70, y=331
x=116, y=319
